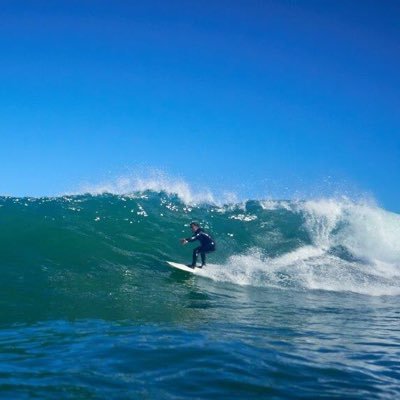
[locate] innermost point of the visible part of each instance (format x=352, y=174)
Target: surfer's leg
x=195, y=254
x=203, y=258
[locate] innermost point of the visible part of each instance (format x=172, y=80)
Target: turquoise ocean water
x=301, y=300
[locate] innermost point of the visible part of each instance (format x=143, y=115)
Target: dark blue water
x=227, y=341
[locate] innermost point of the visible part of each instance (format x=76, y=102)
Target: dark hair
x=194, y=223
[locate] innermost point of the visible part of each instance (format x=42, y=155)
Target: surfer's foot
x=191, y=265
x=201, y=266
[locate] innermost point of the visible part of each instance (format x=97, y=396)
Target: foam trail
x=307, y=268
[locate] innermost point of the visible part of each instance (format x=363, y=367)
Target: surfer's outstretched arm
x=191, y=239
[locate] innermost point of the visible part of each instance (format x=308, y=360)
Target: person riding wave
x=207, y=244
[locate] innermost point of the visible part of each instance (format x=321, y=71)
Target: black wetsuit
x=207, y=245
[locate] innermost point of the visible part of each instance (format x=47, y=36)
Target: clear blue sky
x=254, y=95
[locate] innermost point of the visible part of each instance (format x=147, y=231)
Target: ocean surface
x=300, y=301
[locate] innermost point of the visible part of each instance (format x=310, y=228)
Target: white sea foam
x=305, y=268
x=367, y=231
x=371, y=235
x=275, y=205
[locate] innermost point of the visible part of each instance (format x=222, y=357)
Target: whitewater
x=300, y=299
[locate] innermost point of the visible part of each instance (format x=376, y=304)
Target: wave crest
x=158, y=181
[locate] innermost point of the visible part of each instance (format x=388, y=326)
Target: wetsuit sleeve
x=193, y=238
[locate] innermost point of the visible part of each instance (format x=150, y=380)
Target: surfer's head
x=194, y=226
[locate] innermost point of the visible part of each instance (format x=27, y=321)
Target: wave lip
x=156, y=181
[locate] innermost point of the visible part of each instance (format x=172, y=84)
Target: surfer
x=207, y=244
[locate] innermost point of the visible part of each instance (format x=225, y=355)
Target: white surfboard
x=183, y=267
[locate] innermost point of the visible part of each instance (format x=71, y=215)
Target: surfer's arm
x=192, y=239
